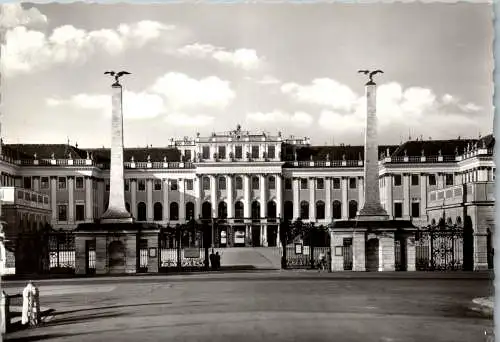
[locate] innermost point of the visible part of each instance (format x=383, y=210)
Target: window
x=141, y=211
x=222, y=210
x=271, y=152
x=397, y=180
x=303, y=183
x=27, y=182
x=271, y=183
x=40, y=199
x=187, y=155
x=415, y=209
x=189, y=210
x=222, y=183
x=62, y=212
x=288, y=184
x=337, y=209
x=44, y=183
x=141, y=185
x=206, y=183
x=271, y=209
x=398, y=209
x=432, y=179
x=205, y=152
x=79, y=183
x=238, y=210
x=79, y=212
x=414, y=180
x=157, y=184
x=239, y=183
x=189, y=184
x=238, y=152
x=20, y=195
x=352, y=183
x=304, y=210
x=320, y=210
x=449, y=179
x=158, y=211
x=255, y=210
x=255, y=183
x=255, y=152
x=126, y=184
x=222, y=152
x=320, y=183
x=288, y=210
x=45, y=200
x=107, y=184
x=174, y=186
x=353, y=209
x=61, y=183
x=336, y=183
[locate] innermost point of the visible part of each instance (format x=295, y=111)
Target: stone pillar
x=263, y=196
x=36, y=181
x=153, y=261
x=80, y=255
x=312, y=199
x=101, y=254
x=230, y=195
x=71, y=199
x=345, y=201
x=406, y=196
x=328, y=199
x=116, y=211
x=296, y=198
x=361, y=191
x=133, y=197
x=358, y=251
x=337, y=262
x=372, y=209
x=423, y=195
x=410, y=253
x=386, y=251
x=149, y=200
x=480, y=251
x=89, y=205
x=440, y=180
x=246, y=196
x=279, y=196
x=182, y=204
x=389, y=205
x=213, y=195
x=53, y=197
x=166, y=204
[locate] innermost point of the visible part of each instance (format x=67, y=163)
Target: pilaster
x=182, y=204
x=213, y=195
x=345, y=202
x=246, y=196
x=166, y=203
x=312, y=199
x=389, y=205
x=71, y=199
x=53, y=197
x=410, y=254
x=279, y=198
x=406, y=196
x=133, y=197
x=328, y=199
x=358, y=251
x=423, y=195
x=89, y=205
x=149, y=200
x=263, y=196
x=230, y=195
x=296, y=198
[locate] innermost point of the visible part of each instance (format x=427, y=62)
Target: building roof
x=43, y=151
x=140, y=154
x=318, y=153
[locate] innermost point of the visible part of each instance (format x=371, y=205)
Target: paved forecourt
x=269, y=306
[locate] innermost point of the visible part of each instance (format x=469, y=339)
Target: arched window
x=127, y=206
x=206, y=183
x=255, y=183
x=272, y=183
x=449, y=221
x=320, y=210
x=189, y=210
x=255, y=209
x=238, y=210
x=288, y=210
x=222, y=183
x=433, y=222
x=459, y=221
x=271, y=209
x=337, y=210
x=238, y=183
x=222, y=210
x=158, y=211
x=304, y=210
x=141, y=211
x=174, y=211
x=353, y=209
x=206, y=210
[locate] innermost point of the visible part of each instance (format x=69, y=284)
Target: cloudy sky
x=282, y=67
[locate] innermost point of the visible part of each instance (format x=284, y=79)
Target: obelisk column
x=116, y=211
x=372, y=209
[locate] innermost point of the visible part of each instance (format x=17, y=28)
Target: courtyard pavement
x=263, y=306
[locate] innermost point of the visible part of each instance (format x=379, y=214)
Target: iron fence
x=302, y=259
x=440, y=249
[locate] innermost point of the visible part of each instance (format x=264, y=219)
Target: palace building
x=251, y=180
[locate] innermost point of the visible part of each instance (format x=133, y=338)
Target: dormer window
x=255, y=152
x=271, y=152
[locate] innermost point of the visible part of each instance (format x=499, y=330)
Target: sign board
x=298, y=248
x=192, y=253
x=338, y=251
x=223, y=237
x=239, y=236
x=152, y=252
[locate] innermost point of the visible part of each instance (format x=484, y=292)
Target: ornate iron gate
x=440, y=248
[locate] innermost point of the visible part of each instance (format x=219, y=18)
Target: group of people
x=214, y=261
x=323, y=261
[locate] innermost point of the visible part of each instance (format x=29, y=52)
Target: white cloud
x=181, y=91
x=135, y=105
x=448, y=99
x=246, y=59
x=300, y=119
x=28, y=51
x=471, y=107
x=185, y=120
x=322, y=91
x=268, y=79
x=12, y=15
